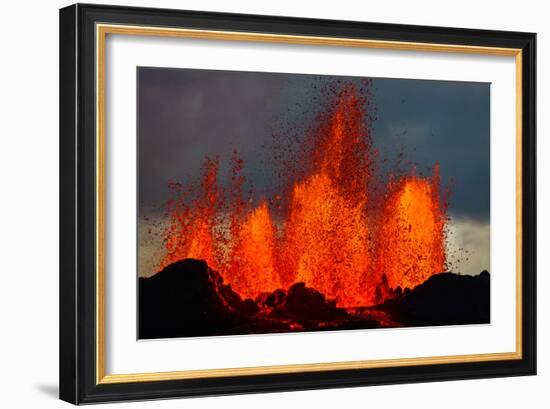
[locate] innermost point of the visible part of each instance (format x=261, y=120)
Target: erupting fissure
x=326, y=234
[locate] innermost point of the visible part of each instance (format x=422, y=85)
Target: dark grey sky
x=185, y=115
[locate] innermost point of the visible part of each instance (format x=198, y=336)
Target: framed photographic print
x=256, y=203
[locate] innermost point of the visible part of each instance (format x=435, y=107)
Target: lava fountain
x=326, y=234
x=411, y=238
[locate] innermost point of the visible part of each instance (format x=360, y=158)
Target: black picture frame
x=78, y=258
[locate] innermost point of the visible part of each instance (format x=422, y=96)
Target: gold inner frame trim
x=101, y=33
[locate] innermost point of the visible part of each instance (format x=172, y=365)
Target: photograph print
x=283, y=202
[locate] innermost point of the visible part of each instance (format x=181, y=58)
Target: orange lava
x=251, y=270
x=325, y=235
x=192, y=233
x=411, y=240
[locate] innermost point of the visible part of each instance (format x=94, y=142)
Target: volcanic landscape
x=340, y=246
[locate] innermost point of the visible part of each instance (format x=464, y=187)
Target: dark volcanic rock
x=188, y=298
x=268, y=301
x=443, y=299
x=304, y=306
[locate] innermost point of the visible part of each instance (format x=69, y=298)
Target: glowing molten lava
x=324, y=234
x=192, y=230
x=411, y=238
x=252, y=267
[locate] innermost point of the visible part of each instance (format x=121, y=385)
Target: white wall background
x=29, y=203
